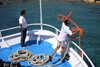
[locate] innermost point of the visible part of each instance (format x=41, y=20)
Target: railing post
x=41, y=15
x=82, y=55
x=0, y=37
x=56, y=32
x=4, y=41
x=0, y=34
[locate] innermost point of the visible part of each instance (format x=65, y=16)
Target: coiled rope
x=62, y=59
x=38, y=60
x=81, y=31
x=20, y=55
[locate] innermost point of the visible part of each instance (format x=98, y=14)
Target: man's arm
x=73, y=35
x=21, y=26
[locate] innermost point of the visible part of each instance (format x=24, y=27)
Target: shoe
x=62, y=60
x=25, y=44
x=23, y=47
x=50, y=58
x=67, y=57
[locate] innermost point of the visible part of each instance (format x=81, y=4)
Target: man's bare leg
x=55, y=50
x=62, y=53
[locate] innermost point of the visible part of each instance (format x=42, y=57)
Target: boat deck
x=48, y=41
x=43, y=48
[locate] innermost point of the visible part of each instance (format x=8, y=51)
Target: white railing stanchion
x=56, y=32
x=4, y=40
x=82, y=55
x=0, y=34
x=0, y=37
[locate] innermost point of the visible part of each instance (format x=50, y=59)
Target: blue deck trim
x=43, y=48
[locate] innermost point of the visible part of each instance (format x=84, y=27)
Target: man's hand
x=73, y=37
x=21, y=27
x=75, y=33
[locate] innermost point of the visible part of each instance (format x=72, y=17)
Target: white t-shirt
x=22, y=21
x=63, y=34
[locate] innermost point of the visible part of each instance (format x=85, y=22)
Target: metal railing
x=83, y=53
x=57, y=30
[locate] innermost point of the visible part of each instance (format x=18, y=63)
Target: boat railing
x=57, y=31
x=83, y=54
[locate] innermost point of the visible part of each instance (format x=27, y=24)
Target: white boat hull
x=75, y=60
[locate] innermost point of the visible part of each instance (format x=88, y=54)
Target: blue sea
x=85, y=15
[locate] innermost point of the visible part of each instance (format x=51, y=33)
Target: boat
x=40, y=41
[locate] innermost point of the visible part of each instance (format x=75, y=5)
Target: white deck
x=75, y=59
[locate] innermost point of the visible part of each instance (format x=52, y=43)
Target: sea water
x=85, y=15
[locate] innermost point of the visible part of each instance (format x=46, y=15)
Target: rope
x=64, y=17
x=81, y=31
x=38, y=60
x=20, y=55
x=62, y=59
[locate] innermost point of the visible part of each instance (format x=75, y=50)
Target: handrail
x=10, y=28
x=30, y=25
x=58, y=31
x=18, y=27
x=52, y=27
x=83, y=53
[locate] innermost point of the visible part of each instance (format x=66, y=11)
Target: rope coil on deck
x=20, y=55
x=38, y=60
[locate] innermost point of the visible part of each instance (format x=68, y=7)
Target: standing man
x=62, y=38
x=23, y=28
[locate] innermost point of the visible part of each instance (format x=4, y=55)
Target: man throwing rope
x=62, y=38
